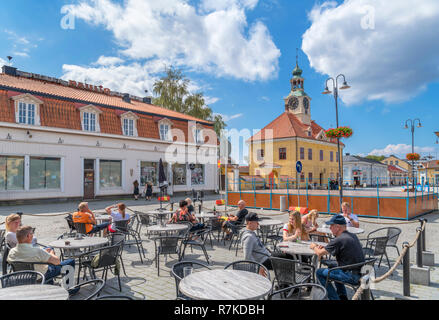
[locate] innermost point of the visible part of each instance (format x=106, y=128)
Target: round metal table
x=34, y=292
x=85, y=242
x=300, y=248
x=349, y=229
x=172, y=227
x=103, y=217
x=269, y=222
x=221, y=284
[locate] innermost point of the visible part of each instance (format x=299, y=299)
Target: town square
x=227, y=150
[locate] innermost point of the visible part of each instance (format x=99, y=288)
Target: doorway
x=89, y=178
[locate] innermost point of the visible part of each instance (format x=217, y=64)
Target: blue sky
x=240, y=53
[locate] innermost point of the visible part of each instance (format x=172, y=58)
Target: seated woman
x=183, y=214
x=294, y=230
x=12, y=223
x=309, y=221
x=117, y=212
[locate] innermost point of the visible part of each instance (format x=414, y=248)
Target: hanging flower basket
x=413, y=156
x=340, y=132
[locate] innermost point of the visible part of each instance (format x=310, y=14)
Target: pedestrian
x=136, y=190
x=148, y=191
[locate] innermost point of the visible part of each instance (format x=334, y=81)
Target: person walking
x=136, y=190
x=148, y=191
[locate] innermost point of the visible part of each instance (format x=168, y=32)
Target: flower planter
x=340, y=132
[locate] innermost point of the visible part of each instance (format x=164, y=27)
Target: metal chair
x=355, y=287
x=177, y=273
x=142, y=220
x=290, y=272
x=215, y=226
x=392, y=234
x=29, y=266
x=5, y=264
x=21, y=278
x=80, y=227
x=101, y=259
x=96, y=284
x=247, y=265
x=275, y=236
x=201, y=236
x=116, y=238
x=376, y=247
x=166, y=245
x=70, y=223
x=123, y=226
x=305, y=291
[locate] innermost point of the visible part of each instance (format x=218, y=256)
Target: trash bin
x=283, y=203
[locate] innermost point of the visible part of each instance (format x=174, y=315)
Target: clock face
x=293, y=103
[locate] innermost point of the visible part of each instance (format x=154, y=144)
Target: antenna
x=297, y=56
x=9, y=58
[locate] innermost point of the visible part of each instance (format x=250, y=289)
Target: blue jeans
x=53, y=271
x=99, y=227
x=197, y=227
x=340, y=275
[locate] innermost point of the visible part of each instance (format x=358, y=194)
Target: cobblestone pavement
x=142, y=281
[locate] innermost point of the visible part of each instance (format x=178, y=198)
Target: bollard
x=199, y=208
x=172, y=206
x=365, y=295
x=406, y=271
x=424, y=247
x=419, y=250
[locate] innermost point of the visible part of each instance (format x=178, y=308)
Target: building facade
x=62, y=139
x=429, y=172
x=395, y=161
x=359, y=171
x=292, y=137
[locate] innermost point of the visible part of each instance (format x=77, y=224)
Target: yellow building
x=429, y=172
x=292, y=137
x=395, y=161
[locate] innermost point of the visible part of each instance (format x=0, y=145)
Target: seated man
x=235, y=220
x=26, y=252
x=347, y=250
x=351, y=219
x=190, y=207
x=85, y=215
x=183, y=215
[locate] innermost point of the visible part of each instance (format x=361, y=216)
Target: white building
x=63, y=139
x=363, y=171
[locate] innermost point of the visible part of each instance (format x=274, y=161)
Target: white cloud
x=400, y=150
x=108, y=61
x=393, y=59
x=210, y=100
x=213, y=38
x=21, y=45
x=3, y=62
x=227, y=118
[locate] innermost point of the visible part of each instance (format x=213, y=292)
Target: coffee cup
x=67, y=243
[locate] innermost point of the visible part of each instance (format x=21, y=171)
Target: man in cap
x=347, y=250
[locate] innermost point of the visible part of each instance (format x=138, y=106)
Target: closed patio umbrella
x=162, y=180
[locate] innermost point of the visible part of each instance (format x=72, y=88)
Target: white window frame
x=129, y=117
x=197, y=133
x=26, y=101
x=90, y=110
x=165, y=122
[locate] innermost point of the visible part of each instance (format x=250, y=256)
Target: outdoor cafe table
x=160, y=214
x=205, y=215
x=172, y=227
x=300, y=248
x=34, y=292
x=349, y=229
x=85, y=242
x=103, y=217
x=219, y=284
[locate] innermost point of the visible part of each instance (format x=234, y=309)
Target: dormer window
x=89, y=121
x=27, y=109
x=129, y=124
x=90, y=118
x=165, y=129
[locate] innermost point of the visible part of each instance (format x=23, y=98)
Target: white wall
x=77, y=146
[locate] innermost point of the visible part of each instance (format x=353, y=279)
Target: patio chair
x=118, y=297
x=80, y=227
x=69, y=219
x=2, y=240
x=305, y=291
x=376, y=247
x=201, y=237
x=290, y=272
x=391, y=232
x=247, y=265
x=30, y=266
x=5, y=264
x=116, y=238
x=166, y=245
x=275, y=236
x=177, y=273
x=123, y=226
x=21, y=278
x=86, y=290
x=215, y=226
x=142, y=220
x=354, y=287
x=101, y=259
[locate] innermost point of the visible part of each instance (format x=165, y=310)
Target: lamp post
x=335, y=88
x=412, y=124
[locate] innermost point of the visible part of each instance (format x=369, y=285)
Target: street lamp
x=335, y=88
x=412, y=124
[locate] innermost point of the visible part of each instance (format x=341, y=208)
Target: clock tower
x=298, y=102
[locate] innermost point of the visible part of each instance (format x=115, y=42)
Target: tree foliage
x=172, y=93
x=377, y=158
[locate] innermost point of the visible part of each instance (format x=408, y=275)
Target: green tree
x=377, y=158
x=172, y=93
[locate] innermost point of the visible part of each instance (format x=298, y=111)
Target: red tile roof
x=395, y=169
x=59, y=90
x=287, y=125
